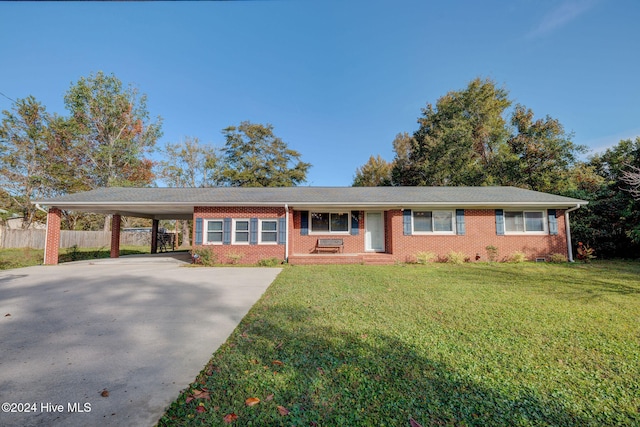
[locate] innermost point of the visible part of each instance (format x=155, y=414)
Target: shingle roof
x=313, y=195
x=169, y=201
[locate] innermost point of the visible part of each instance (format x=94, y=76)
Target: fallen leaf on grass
x=414, y=423
x=200, y=409
x=282, y=410
x=277, y=362
x=201, y=394
x=229, y=418
x=252, y=401
x=279, y=345
x=269, y=398
x=197, y=394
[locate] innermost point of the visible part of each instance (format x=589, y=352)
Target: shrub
x=268, y=262
x=492, y=253
x=234, y=257
x=518, y=257
x=425, y=257
x=204, y=256
x=557, y=258
x=585, y=252
x=456, y=258
x=74, y=253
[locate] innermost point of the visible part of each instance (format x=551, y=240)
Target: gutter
x=568, y=227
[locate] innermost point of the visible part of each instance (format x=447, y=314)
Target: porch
x=339, y=258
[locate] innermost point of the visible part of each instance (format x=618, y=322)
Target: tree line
x=477, y=136
x=473, y=136
x=107, y=139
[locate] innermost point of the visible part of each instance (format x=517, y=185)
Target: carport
x=116, y=207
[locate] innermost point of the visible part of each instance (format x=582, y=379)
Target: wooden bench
x=336, y=245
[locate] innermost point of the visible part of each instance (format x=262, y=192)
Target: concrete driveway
x=140, y=329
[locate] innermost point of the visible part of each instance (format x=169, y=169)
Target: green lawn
x=26, y=257
x=477, y=344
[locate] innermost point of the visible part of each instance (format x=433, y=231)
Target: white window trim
x=434, y=233
x=333, y=233
x=205, y=226
x=234, y=221
x=260, y=221
x=545, y=223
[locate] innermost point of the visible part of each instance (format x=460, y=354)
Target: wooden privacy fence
x=84, y=239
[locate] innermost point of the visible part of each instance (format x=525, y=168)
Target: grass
x=457, y=345
x=26, y=257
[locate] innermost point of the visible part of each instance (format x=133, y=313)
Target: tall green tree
x=376, y=172
x=458, y=138
x=23, y=157
x=113, y=125
x=538, y=155
x=254, y=157
x=610, y=223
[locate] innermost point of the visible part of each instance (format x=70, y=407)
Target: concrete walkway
x=142, y=330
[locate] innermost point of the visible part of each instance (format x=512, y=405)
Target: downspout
x=568, y=227
x=286, y=233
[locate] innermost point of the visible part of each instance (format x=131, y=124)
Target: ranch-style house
x=328, y=225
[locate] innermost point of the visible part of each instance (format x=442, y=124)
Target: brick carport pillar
x=115, y=236
x=52, y=238
x=154, y=236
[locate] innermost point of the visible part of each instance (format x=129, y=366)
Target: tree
x=538, y=155
x=458, y=138
x=376, y=172
x=255, y=157
x=632, y=178
x=23, y=156
x=188, y=164
x=401, y=165
x=112, y=124
x=610, y=223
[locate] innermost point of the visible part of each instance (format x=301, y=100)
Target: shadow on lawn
x=339, y=377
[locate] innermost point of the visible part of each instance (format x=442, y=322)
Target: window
x=433, y=222
x=241, y=231
x=329, y=222
x=524, y=222
x=268, y=231
x=214, y=231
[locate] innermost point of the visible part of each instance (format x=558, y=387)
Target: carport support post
x=115, y=236
x=154, y=236
x=52, y=238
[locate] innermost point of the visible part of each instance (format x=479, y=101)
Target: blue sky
x=337, y=79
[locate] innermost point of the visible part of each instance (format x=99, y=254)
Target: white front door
x=374, y=232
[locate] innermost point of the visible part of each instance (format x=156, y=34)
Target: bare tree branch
x=632, y=178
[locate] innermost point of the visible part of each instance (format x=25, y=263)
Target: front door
x=374, y=232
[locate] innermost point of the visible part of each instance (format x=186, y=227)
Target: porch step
x=324, y=259
x=378, y=259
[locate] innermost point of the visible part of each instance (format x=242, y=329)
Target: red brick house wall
x=307, y=244
x=251, y=253
x=480, y=232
